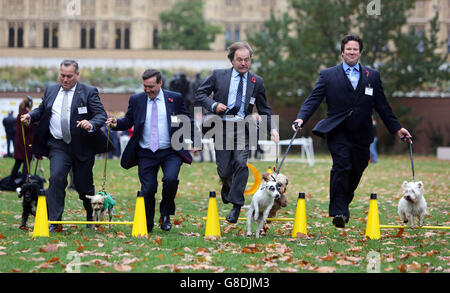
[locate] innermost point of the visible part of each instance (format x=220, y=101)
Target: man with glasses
x=235, y=91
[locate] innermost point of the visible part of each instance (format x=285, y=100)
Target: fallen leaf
x=325, y=269
x=400, y=232
x=80, y=246
x=49, y=248
x=128, y=261
x=122, y=268
x=355, y=249
x=158, y=240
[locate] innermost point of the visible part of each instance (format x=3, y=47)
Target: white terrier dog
x=262, y=202
x=412, y=204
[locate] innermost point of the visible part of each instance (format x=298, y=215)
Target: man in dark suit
x=352, y=91
x=152, y=113
x=70, y=117
x=236, y=90
x=9, y=122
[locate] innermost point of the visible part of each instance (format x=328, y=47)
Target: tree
x=184, y=27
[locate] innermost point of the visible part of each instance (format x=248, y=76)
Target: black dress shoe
x=234, y=214
x=339, y=221
x=55, y=228
x=165, y=223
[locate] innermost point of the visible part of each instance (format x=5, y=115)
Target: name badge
x=174, y=119
x=369, y=91
x=82, y=110
x=252, y=100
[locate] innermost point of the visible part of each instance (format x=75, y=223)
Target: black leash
x=297, y=128
x=411, y=155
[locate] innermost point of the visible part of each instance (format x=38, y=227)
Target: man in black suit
x=236, y=90
x=153, y=113
x=70, y=117
x=352, y=91
x=9, y=122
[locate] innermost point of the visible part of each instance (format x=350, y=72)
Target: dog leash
x=411, y=155
x=26, y=153
x=297, y=128
x=106, y=160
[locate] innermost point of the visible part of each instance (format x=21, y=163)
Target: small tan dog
x=102, y=203
x=282, y=200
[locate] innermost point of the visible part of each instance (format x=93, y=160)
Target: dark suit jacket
x=136, y=114
x=84, y=144
x=346, y=104
x=219, y=84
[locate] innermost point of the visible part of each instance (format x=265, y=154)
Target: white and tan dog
x=262, y=202
x=102, y=203
x=412, y=204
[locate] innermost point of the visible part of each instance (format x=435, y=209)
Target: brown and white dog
x=102, y=203
x=282, y=200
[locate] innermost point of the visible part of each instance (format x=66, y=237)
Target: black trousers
x=350, y=159
x=231, y=162
x=62, y=159
x=149, y=164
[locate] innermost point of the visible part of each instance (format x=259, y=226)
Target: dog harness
x=109, y=201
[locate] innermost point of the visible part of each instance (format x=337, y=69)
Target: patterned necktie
x=238, y=101
x=65, y=118
x=154, y=128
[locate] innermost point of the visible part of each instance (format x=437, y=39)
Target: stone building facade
x=134, y=24
x=117, y=24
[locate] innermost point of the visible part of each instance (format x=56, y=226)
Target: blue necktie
x=238, y=101
x=353, y=78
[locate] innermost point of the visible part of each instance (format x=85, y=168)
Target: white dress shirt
x=55, y=118
x=163, y=126
x=234, y=83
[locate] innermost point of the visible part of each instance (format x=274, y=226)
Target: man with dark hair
x=236, y=90
x=70, y=119
x=352, y=91
x=150, y=148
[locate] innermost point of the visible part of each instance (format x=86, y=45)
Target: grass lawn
x=184, y=248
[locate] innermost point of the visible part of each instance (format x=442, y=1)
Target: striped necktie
x=239, y=94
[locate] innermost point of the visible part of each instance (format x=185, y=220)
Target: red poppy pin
x=170, y=100
x=253, y=79
x=367, y=73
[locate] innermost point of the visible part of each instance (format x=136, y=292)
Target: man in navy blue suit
x=352, y=91
x=152, y=113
